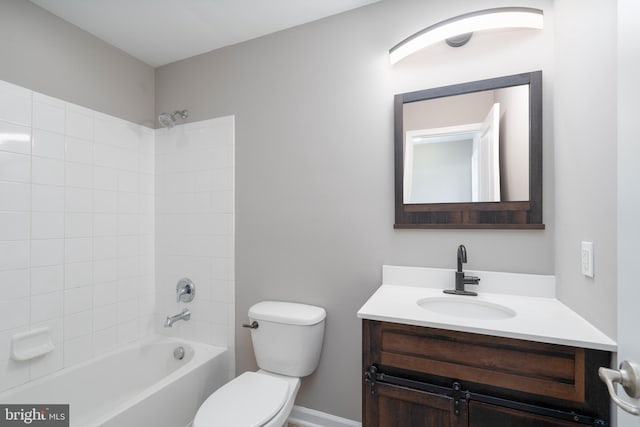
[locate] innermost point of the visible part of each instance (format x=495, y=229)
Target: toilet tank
x=288, y=339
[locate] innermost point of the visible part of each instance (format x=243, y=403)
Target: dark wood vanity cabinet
x=418, y=376
x=393, y=405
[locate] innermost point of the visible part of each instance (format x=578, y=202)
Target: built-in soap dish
x=32, y=344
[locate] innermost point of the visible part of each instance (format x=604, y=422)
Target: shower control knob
x=185, y=290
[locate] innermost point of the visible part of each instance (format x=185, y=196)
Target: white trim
x=469, y=131
x=425, y=136
x=305, y=417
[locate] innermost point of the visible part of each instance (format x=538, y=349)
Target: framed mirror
x=470, y=155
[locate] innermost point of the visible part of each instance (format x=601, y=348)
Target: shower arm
x=183, y=114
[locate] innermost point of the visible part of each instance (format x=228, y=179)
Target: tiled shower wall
x=195, y=228
x=76, y=230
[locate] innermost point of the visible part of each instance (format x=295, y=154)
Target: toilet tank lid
x=287, y=312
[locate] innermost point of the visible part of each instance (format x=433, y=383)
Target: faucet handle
x=471, y=280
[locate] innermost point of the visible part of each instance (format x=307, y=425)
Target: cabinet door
x=486, y=415
x=394, y=406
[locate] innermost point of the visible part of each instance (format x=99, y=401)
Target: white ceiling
x=162, y=31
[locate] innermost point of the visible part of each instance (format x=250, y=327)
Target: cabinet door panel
x=485, y=415
x=396, y=406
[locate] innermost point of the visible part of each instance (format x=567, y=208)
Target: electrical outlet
x=587, y=259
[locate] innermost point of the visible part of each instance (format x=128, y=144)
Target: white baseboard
x=305, y=417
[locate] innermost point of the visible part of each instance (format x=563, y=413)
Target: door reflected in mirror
x=467, y=148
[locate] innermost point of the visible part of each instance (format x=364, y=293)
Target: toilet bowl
x=287, y=340
x=252, y=399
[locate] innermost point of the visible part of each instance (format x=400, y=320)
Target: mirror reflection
x=472, y=147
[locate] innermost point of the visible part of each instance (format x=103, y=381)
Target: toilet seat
x=250, y=400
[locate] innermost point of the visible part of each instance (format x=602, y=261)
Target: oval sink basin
x=465, y=306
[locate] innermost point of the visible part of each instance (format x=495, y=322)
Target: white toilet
x=287, y=341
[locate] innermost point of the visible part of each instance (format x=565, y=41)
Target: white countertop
x=539, y=316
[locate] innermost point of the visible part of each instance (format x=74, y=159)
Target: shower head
x=169, y=120
x=166, y=120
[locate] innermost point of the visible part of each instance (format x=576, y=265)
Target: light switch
x=587, y=259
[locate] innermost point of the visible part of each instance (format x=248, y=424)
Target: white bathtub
x=137, y=386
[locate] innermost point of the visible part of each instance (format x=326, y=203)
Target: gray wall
x=450, y=111
x=314, y=216
x=514, y=142
x=48, y=55
x=585, y=155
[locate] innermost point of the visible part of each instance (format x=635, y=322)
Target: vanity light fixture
x=457, y=31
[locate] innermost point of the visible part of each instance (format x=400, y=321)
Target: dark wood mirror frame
x=483, y=215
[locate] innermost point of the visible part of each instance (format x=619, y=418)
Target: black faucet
x=461, y=279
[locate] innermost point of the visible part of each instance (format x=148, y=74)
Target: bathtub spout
x=183, y=315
